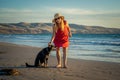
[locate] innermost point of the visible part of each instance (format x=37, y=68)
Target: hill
x=39, y=28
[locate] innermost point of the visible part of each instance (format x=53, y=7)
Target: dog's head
x=50, y=47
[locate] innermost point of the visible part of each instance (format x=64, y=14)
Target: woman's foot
x=58, y=66
x=65, y=66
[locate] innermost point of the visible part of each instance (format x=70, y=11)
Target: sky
x=104, y=13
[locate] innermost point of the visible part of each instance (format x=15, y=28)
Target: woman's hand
x=49, y=43
x=70, y=35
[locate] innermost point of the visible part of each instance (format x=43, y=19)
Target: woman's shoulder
x=66, y=23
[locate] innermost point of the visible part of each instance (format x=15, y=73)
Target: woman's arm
x=70, y=34
x=69, y=30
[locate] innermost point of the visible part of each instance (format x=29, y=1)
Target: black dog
x=42, y=57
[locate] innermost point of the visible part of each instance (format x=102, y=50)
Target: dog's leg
x=47, y=56
x=46, y=62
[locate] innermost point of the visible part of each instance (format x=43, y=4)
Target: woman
x=60, y=37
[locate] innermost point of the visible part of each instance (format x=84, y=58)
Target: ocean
x=98, y=47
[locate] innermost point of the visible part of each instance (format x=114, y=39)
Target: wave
x=101, y=55
x=111, y=50
x=96, y=42
x=81, y=47
x=106, y=43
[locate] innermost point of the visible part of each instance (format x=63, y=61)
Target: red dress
x=62, y=37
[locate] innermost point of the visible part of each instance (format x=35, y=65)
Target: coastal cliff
x=45, y=28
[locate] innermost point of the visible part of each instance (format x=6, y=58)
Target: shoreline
x=54, y=54
x=15, y=56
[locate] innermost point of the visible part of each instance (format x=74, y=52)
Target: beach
x=15, y=56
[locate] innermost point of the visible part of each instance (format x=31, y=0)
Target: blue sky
x=85, y=12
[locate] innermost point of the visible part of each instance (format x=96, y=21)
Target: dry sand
x=14, y=56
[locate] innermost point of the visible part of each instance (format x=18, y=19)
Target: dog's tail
x=27, y=65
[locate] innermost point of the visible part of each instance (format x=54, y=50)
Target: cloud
x=73, y=15
x=41, y=13
x=6, y=12
x=27, y=15
x=76, y=11
x=51, y=10
x=15, y=10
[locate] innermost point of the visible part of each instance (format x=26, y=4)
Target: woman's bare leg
x=65, y=57
x=58, y=55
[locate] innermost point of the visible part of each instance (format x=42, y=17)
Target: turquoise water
x=99, y=47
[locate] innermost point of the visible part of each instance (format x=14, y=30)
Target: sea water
x=99, y=47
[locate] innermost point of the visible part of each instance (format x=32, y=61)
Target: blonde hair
x=61, y=25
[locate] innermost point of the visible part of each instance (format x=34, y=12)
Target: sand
x=14, y=57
